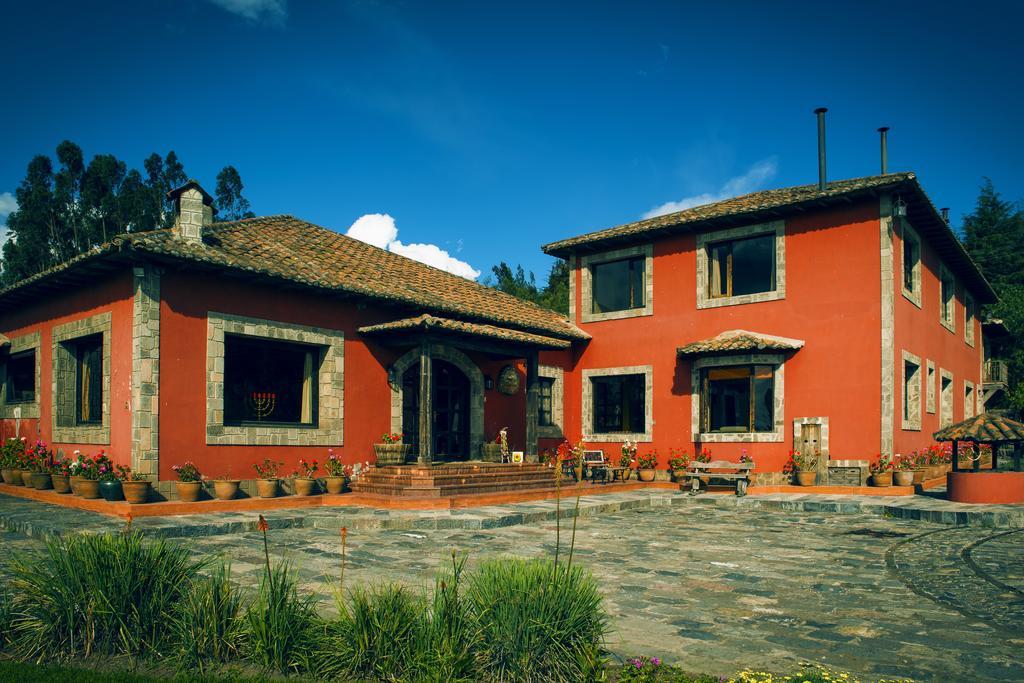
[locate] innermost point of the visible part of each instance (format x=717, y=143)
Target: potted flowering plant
x=190, y=481
x=881, y=470
x=678, y=461
x=337, y=473
x=646, y=465
x=903, y=473
x=11, y=456
x=87, y=470
x=110, y=480
x=491, y=451
x=60, y=473
x=136, y=486
x=627, y=457
x=40, y=458
x=305, y=478
x=804, y=466
x=266, y=477
x=391, y=450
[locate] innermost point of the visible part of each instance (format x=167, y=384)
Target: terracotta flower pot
x=111, y=490
x=266, y=488
x=188, y=491
x=225, y=489
x=304, y=486
x=881, y=479
x=88, y=488
x=41, y=481
x=26, y=477
x=645, y=474
x=391, y=453
x=335, y=484
x=61, y=483
x=918, y=474
x=7, y=474
x=903, y=478
x=136, y=492
x=807, y=478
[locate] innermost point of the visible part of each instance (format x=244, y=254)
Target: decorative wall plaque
x=508, y=381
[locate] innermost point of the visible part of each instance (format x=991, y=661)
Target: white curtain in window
x=307, y=389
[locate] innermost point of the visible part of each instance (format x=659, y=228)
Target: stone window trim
x=65, y=430
x=705, y=239
x=914, y=295
x=970, y=314
x=945, y=399
x=573, y=274
x=331, y=384
x=970, y=400
x=588, y=261
x=930, y=378
x=950, y=323
x=588, y=404
x=777, y=435
x=799, y=422
x=911, y=422
x=24, y=411
x=556, y=430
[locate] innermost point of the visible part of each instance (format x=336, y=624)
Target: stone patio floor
x=713, y=583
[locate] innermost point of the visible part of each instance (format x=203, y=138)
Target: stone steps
x=440, y=481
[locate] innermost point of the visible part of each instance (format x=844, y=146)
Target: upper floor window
x=21, y=377
x=545, y=413
x=618, y=285
x=911, y=391
x=969, y=315
x=738, y=399
x=619, y=403
x=269, y=381
x=947, y=300
x=88, y=354
x=911, y=265
x=742, y=266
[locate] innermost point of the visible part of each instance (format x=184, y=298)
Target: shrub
x=652, y=670
x=104, y=594
x=279, y=624
x=535, y=621
x=207, y=623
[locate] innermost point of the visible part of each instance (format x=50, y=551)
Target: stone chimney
x=193, y=211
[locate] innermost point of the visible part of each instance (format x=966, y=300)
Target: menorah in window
x=269, y=382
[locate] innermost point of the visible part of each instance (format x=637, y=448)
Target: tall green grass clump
x=207, y=624
x=537, y=621
x=98, y=594
x=5, y=618
x=280, y=624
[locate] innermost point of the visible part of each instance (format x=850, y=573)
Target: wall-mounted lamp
x=392, y=376
x=899, y=208
x=488, y=382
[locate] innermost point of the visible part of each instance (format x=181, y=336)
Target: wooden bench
x=738, y=472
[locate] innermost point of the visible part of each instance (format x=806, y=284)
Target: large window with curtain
x=89, y=379
x=738, y=399
x=619, y=404
x=741, y=266
x=269, y=382
x=618, y=285
x=21, y=377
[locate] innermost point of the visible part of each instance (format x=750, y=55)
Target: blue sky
x=489, y=128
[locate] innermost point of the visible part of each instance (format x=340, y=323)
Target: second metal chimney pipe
x=820, y=111
x=885, y=149
x=945, y=214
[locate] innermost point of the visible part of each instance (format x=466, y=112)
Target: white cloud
x=267, y=11
x=754, y=179
x=379, y=229
x=8, y=205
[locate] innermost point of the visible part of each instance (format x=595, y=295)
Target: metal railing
x=996, y=372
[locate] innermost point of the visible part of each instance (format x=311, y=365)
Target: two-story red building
x=843, y=319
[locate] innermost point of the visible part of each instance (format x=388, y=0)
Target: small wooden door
x=810, y=444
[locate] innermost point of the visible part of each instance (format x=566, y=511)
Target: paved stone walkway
x=717, y=583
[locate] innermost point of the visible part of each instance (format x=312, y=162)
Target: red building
x=844, y=318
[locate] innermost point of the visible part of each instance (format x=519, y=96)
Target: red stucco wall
x=112, y=293
x=832, y=303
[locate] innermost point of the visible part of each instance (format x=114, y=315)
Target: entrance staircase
x=453, y=479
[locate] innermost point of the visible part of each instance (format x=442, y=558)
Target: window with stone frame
x=969, y=315
x=945, y=398
x=911, y=265
x=545, y=412
x=618, y=285
x=20, y=371
x=930, y=387
x=272, y=382
x=969, y=406
x=619, y=404
x=911, y=392
x=88, y=354
x=741, y=266
x=738, y=399
x=947, y=298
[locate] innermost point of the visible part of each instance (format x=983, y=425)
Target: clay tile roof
x=770, y=204
x=739, y=341
x=429, y=322
x=286, y=248
x=984, y=428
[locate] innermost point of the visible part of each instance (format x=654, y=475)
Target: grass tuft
x=280, y=624
x=207, y=623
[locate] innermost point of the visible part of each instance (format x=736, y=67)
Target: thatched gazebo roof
x=984, y=428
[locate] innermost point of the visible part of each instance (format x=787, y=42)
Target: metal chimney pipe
x=945, y=214
x=820, y=112
x=885, y=149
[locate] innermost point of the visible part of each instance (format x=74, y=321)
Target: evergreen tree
x=519, y=283
x=230, y=203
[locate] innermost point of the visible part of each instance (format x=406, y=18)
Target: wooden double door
x=450, y=398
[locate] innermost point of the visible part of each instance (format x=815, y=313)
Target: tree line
x=67, y=206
